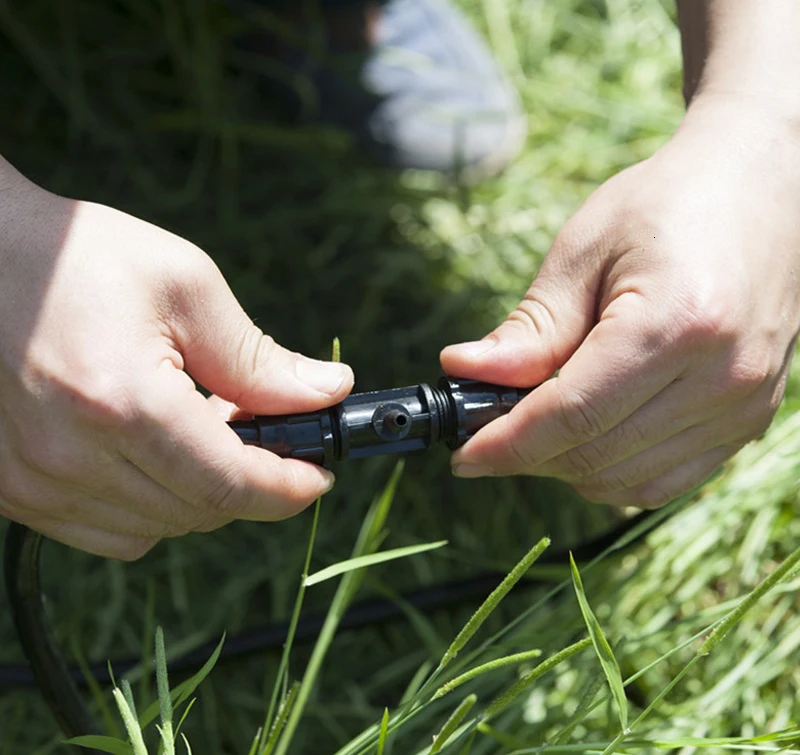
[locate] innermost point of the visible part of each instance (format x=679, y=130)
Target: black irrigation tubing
x=59, y=682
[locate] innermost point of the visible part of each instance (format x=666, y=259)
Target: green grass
x=316, y=243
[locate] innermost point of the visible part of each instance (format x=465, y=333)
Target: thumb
x=226, y=353
x=541, y=334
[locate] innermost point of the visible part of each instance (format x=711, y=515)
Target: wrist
x=746, y=123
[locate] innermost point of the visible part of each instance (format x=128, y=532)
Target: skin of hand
x=663, y=320
x=105, y=442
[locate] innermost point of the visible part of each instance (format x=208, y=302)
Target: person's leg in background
x=409, y=79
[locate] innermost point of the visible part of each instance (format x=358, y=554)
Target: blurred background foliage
x=153, y=107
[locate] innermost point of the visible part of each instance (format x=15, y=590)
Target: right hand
x=105, y=442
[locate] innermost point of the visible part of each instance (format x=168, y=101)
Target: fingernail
x=331, y=481
x=469, y=471
x=326, y=377
x=476, y=348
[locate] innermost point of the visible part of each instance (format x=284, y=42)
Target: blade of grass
x=503, y=700
x=95, y=690
x=184, y=715
x=184, y=690
x=254, y=746
x=111, y=745
x=383, y=732
x=128, y=714
x=164, y=698
x=369, y=535
x=465, y=750
x=360, y=562
x=416, y=682
x=601, y=647
x=735, y=616
x=452, y=723
x=280, y=720
x=287, y=648
x=786, y=735
x=508, y=660
x=491, y=602
x=651, y=707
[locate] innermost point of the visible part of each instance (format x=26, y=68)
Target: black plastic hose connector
x=383, y=422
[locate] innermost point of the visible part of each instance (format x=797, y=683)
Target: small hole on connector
x=401, y=420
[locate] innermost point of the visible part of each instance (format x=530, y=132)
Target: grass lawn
x=144, y=106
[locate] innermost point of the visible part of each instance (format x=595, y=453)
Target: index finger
x=181, y=441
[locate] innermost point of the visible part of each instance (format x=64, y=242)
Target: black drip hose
x=59, y=682
x=21, y=571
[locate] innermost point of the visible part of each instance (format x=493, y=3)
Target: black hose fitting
x=393, y=421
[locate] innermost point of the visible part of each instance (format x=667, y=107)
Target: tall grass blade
x=184, y=715
x=360, y=562
x=366, y=542
x=416, y=682
x=384, y=731
x=103, y=744
x=129, y=720
x=254, y=746
x=736, y=615
x=167, y=746
x=508, y=660
x=601, y=647
x=488, y=605
x=786, y=735
x=651, y=707
x=127, y=693
x=280, y=719
x=164, y=698
x=452, y=723
x=501, y=737
x=185, y=689
x=287, y=648
x=465, y=750
x=96, y=692
x=513, y=692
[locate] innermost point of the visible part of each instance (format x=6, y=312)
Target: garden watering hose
x=366, y=424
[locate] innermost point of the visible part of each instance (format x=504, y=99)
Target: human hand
x=669, y=306
x=105, y=443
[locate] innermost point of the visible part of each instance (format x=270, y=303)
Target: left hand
x=669, y=305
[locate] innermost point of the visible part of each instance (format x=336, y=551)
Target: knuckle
x=703, y=314
x=224, y=495
x=610, y=482
x=583, y=461
x=589, y=460
x=105, y=400
x=746, y=376
x=533, y=313
x=255, y=352
x=520, y=453
x=580, y=415
x=96, y=395
x=51, y=456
